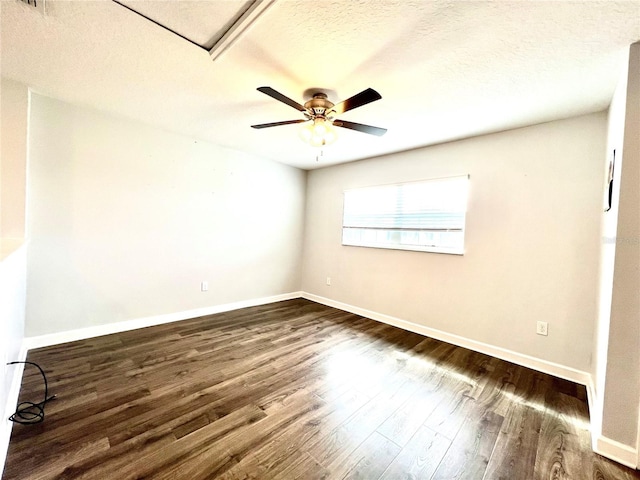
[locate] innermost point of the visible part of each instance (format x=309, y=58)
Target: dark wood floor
x=297, y=390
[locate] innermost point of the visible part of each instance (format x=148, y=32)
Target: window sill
x=410, y=248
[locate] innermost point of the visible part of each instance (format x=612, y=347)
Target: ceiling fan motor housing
x=319, y=105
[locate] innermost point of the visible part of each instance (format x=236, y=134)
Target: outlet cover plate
x=542, y=328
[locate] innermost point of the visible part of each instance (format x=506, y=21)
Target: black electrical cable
x=29, y=413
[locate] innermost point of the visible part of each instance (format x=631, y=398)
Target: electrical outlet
x=329, y=281
x=204, y=286
x=542, y=328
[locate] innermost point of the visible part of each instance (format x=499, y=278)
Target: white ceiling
x=445, y=69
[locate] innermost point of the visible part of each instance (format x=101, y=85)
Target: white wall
x=532, y=241
x=622, y=382
x=126, y=220
x=609, y=227
x=12, y=304
x=13, y=144
x=13, y=151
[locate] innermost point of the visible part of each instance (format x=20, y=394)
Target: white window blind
x=428, y=215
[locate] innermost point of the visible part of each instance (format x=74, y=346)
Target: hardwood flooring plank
x=433, y=387
x=515, y=451
x=275, y=456
x=369, y=460
x=562, y=447
x=406, y=420
x=469, y=453
x=225, y=453
x=420, y=457
x=102, y=464
x=204, y=439
x=301, y=466
x=451, y=409
x=53, y=466
x=85, y=428
x=333, y=447
x=604, y=469
x=192, y=425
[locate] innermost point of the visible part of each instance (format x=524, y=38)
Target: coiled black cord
x=29, y=413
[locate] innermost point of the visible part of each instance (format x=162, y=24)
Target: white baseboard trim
x=616, y=451
x=612, y=449
x=534, y=363
x=10, y=406
x=117, y=327
x=595, y=414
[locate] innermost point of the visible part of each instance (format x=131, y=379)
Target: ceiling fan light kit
x=319, y=113
x=318, y=133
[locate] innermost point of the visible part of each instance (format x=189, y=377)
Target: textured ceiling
x=445, y=69
x=201, y=22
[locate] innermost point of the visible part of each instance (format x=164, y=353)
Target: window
x=426, y=216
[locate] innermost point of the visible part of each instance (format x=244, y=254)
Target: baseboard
x=616, y=451
x=117, y=327
x=595, y=414
x=10, y=406
x=613, y=450
x=534, y=363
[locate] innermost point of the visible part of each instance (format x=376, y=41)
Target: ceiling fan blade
x=366, y=96
x=276, y=124
x=360, y=127
x=280, y=97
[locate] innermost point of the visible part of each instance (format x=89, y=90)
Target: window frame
x=438, y=247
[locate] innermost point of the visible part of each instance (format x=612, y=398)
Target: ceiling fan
x=320, y=112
